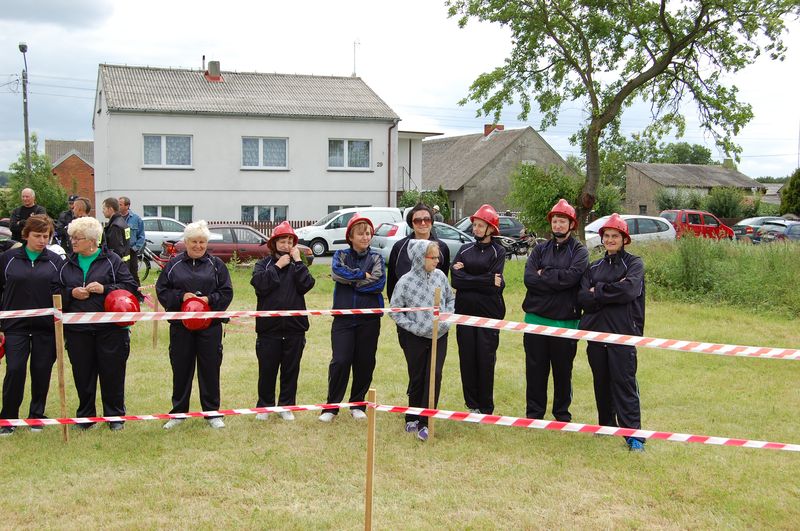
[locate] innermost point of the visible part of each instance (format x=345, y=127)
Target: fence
x=265, y=227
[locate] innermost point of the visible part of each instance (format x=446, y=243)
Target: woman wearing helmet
x=281, y=281
x=27, y=276
x=552, y=276
x=477, y=274
x=359, y=275
x=194, y=281
x=612, y=298
x=96, y=350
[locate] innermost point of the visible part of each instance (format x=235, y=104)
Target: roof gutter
x=389, y=164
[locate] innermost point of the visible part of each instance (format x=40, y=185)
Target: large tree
x=49, y=192
x=606, y=54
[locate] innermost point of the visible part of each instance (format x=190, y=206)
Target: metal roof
x=57, y=149
x=695, y=175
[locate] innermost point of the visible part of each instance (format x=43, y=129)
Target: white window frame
x=345, y=167
x=260, y=165
x=163, y=164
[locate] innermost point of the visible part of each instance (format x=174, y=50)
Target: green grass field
x=305, y=474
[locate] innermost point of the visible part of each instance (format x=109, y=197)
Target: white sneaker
x=216, y=422
x=327, y=417
x=287, y=415
x=171, y=423
x=262, y=416
x=358, y=414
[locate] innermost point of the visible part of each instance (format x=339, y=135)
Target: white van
x=327, y=234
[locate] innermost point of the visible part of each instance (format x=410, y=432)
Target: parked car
x=158, y=230
x=509, y=226
x=640, y=228
x=327, y=234
x=775, y=232
x=698, y=223
x=246, y=242
x=774, y=225
x=749, y=226
x=387, y=234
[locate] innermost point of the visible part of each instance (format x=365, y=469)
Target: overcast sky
x=409, y=53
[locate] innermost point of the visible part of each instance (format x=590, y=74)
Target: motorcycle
x=519, y=246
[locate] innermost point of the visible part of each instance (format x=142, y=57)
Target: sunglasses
x=420, y=221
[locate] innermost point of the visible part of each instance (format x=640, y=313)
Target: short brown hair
x=38, y=223
x=112, y=203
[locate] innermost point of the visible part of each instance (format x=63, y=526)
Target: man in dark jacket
x=552, y=276
x=117, y=234
x=64, y=219
x=21, y=214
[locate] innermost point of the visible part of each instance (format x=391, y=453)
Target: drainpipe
x=389, y=168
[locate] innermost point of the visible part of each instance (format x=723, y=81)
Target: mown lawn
x=305, y=474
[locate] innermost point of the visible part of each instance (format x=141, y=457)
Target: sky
x=409, y=52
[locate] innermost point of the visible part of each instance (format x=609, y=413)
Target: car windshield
x=326, y=219
x=595, y=225
x=754, y=221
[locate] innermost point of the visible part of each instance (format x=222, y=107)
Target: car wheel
x=319, y=247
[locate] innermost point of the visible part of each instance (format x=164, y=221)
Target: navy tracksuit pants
x=278, y=353
x=354, y=346
x=616, y=391
x=190, y=348
x=477, y=355
x=417, y=351
x=40, y=348
x=542, y=353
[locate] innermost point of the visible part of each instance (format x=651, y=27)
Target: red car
x=698, y=223
x=246, y=242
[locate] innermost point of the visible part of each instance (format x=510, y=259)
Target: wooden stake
x=62, y=395
x=155, y=323
x=370, y=486
x=437, y=297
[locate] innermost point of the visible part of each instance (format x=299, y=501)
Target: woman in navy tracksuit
x=359, y=274
x=28, y=279
x=96, y=350
x=281, y=280
x=477, y=274
x=612, y=298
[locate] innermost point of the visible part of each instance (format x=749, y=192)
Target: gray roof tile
x=695, y=175
x=56, y=149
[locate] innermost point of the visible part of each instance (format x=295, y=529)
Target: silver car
x=387, y=234
x=157, y=230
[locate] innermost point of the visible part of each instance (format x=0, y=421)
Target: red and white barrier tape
x=585, y=428
x=167, y=416
x=620, y=339
x=38, y=312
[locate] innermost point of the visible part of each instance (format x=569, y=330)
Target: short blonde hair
x=89, y=227
x=198, y=229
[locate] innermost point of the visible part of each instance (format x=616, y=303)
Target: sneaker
x=37, y=429
x=475, y=410
x=422, y=434
x=358, y=414
x=262, y=416
x=83, y=426
x=287, y=415
x=216, y=423
x=5, y=431
x=327, y=417
x=116, y=426
x=412, y=426
x=635, y=445
x=171, y=423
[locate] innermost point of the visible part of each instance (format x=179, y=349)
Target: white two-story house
x=194, y=144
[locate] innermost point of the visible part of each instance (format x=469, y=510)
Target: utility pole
x=24, y=48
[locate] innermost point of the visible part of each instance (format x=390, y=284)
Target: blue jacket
x=137, y=230
x=352, y=288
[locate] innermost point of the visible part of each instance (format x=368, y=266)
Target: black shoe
x=116, y=426
x=83, y=426
x=6, y=431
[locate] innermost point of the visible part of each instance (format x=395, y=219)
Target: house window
x=643, y=210
x=264, y=213
x=168, y=151
x=182, y=213
x=267, y=153
x=349, y=154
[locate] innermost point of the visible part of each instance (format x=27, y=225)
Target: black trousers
x=354, y=348
x=133, y=265
x=542, y=353
x=477, y=354
x=187, y=349
x=616, y=391
x=418, y=357
x=278, y=353
x=41, y=349
x=100, y=354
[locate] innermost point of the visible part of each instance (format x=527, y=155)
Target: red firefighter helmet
x=121, y=300
x=488, y=214
x=284, y=229
x=2, y=346
x=357, y=218
x=563, y=208
x=196, y=304
x=616, y=222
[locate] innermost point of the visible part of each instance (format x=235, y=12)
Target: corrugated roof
x=452, y=161
x=56, y=149
x=162, y=90
x=695, y=175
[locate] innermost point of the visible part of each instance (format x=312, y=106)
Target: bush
x=667, y=199
x=534, y=191
x=429, y=197
x=725, y=202
x=609, y=200
x=790, y=195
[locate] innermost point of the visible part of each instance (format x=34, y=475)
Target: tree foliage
x=725, y=202
x=428, y=197
x=606, y=55
x=49, y=192
x=790, y=195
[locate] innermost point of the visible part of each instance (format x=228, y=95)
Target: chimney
x=728, y=164
x=488, y=128
x=213, y=73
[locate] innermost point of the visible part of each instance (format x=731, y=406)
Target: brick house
x=73, y=164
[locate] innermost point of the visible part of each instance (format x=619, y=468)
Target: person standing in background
x=137, y=242
x=21, y=214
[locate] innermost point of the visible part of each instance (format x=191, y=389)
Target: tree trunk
x=589, y=191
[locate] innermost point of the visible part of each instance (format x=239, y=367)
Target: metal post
x=24, y=48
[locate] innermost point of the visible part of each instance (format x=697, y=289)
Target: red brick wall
x=76, y=177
